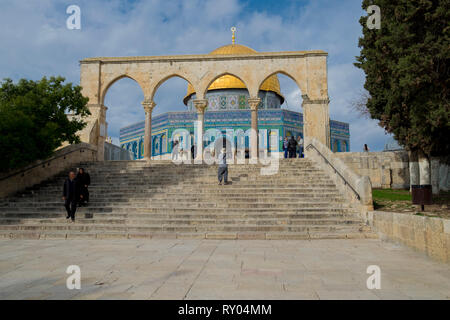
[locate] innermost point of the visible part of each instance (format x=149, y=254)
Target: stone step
x=194, y=207
x=212, y=188
x=185, y=235
x=177, y=196
x=138, y=199
x=182, y=215
x=183, y=202
x=189, y=220
x=179, y=228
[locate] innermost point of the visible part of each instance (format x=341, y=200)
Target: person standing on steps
x=193, y=151
x=71, y=194
x=300, y=146
x=84, y=179
x=366, y=148
x=285, y=147
x=292, y=147
x=223, y=167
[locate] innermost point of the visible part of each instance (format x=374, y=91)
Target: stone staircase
x=135, y=199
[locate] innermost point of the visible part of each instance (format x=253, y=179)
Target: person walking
x=193, y=151
x=175, y=150
x=223, y=167
x=71, y=194
x=285, y=147
x=292, y=146
x=300, y=146
x=84, y=180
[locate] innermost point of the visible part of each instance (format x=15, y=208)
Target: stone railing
x=356, y=188
x=113, y=152
x=41, y=170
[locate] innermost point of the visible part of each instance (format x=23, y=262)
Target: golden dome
x=231, y=82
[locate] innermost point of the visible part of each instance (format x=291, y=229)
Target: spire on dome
x=233, y=38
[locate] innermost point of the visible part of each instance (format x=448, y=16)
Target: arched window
x=163, y=143
x=274, y=140
x=141, y=149
x=155, y=146
x=344, y=146
x=134, y=150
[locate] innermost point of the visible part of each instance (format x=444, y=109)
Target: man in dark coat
x=292, y=147
x=71, y=194
x=84, y=181
x=193, y=151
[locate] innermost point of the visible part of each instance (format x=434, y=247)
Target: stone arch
x=211, y=77
x=160, y=81
x=114, y=80
x=286, y=73
x=308, y=69
x=335, y=146
x=344, y=146
x=164, y=143
x=155, y=146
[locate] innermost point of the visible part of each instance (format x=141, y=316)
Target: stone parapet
x=41, y=170
x=430, y=235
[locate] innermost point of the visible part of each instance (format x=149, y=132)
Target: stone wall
x=426, y=234
x=63, y=159
x=385, y=169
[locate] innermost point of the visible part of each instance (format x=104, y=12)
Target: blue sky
x=36, y=43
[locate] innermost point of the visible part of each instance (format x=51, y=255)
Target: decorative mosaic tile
x=213, y=103
x=233, y=102
x=223, y=102
x=242, y=101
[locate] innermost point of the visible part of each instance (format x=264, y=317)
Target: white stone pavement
x=222, y=269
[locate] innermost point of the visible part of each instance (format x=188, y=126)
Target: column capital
x=254, y=103
x=148, y=105
x=200, y=105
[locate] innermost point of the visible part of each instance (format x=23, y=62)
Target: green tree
x=33, y=119
x=406, y=63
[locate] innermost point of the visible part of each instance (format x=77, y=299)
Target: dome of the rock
x=231, y=82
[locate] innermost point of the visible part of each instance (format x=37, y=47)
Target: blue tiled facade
x=287, y=123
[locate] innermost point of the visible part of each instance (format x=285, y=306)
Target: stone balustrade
x=358, y=189
x=41, y=170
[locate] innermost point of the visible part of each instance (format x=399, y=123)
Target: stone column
x=101, y=131
x=200, y=105
x=148, y=107
x=254, y=103
x=316, y=119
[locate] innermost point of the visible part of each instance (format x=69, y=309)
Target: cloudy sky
x=35, y=42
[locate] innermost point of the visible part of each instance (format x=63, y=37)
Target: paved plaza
x=218, y=269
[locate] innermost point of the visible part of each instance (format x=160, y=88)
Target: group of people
x=75, y=191
x=292, y=147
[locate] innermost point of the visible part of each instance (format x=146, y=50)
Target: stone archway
x=307, y=68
